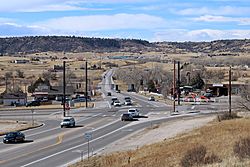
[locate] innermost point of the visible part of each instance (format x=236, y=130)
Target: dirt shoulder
x=9, y=125
x=157, y=133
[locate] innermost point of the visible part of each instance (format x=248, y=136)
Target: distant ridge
x=36, y=44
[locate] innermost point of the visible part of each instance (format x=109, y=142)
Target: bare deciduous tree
x=244, y=103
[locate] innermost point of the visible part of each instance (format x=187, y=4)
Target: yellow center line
x=59, y=140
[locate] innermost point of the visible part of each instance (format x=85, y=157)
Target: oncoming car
x=126, y=117
x=128, y=102
x=117, y=103
x=68, y=122
x=134, y=112
x=14, y=137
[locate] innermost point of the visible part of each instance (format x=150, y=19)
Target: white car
x=128, y=102
x=68, y=122
x=117, y=103
x=134, y=112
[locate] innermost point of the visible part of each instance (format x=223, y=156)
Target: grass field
x=217, y=137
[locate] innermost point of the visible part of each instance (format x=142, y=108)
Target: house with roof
x=52, y=92
x=9, y=99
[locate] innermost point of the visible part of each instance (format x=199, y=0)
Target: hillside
x=24, y=45
x=233, y=46
x=38, y=44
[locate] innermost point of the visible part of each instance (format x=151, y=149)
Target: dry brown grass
x=17, y=126
x=218, y=138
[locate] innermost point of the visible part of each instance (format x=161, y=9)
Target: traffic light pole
x=174, y=87
x=178, y=83
x=64, y=90
x=230, y=91
x=86, y=82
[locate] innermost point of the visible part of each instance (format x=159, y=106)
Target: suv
x=33, y=103
x=134, y=112
x=126, y=117
x=68, y=122
x=127, y=98
x=14, y=137
x=128, y=102
x=117, y=103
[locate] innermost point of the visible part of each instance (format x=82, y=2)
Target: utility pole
x=230, y=91
x=178, y=82
x=86, y=84
x=174, y=87
x=64, y=89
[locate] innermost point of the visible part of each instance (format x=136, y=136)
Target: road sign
x=88, y=135
x=67, y=106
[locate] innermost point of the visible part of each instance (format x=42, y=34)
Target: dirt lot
x=157, y=133
x=8, y=126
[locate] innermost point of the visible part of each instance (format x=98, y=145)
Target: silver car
x=68, y=122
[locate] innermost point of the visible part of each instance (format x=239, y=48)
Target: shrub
x=242, y=148
x=227, y=116
x=194, y=156
x=198, y=156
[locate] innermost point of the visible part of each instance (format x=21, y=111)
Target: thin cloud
x=104, y=22
x=57, y=5
x=224, y=10
x=200, y=35
x=63, y=7
x=210, y=18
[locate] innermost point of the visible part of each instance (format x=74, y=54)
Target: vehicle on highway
x=33, y=103
x=127, y=98
x=126, y=117
x=14, y=137
x=113, y=99
x=109, y=94
x=208, y=95
x=134, y=112
x=151, y=98
x=117, y=103
x=128, y=102
x=68, y=122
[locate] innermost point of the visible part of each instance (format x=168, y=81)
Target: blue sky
x=153, y=20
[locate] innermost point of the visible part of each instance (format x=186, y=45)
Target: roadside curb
x=23, y=129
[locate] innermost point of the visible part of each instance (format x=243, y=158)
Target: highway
x=50, y=145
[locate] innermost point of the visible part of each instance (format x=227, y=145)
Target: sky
x=152, y=20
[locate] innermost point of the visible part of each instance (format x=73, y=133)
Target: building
x=14, y=99
x=52, y=92
x=221, y=89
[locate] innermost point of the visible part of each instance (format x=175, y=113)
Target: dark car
x=33, y=103
x=14, y=137
x=127, y=98
x=113, y=99
x=126, y=117
x=109, y=94
x=208, y=95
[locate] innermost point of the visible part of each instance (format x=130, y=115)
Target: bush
x=198, y=156
x=242, y=148
x=227, y=116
